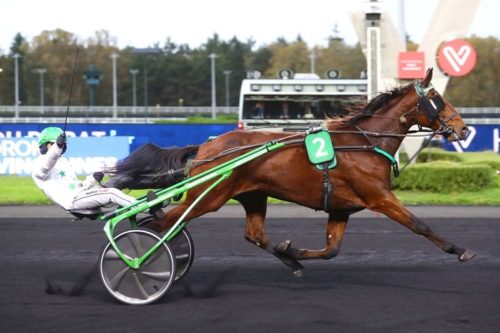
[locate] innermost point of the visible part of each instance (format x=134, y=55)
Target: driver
x=56, y=178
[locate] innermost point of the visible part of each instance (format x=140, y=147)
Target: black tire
x=148, y=283
x=183, y=248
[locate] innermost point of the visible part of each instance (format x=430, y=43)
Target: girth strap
x=327, y=190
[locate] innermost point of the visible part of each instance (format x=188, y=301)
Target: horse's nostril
x=465, y=132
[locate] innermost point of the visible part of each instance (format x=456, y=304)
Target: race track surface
x=385, y=279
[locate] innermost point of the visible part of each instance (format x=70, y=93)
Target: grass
x=21, y=190
x=485, y=197
x=16, y=190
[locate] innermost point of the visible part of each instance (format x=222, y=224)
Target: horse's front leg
x=255, y=204
x=335, y=230
x=389, y=205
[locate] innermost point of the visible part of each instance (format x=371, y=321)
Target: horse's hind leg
x=255, y=204
x=335, y=229
x=392, y=208
x=210, y=203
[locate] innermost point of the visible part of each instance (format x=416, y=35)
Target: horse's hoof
x=298, y=273
x=466, y=256
x=283, y=246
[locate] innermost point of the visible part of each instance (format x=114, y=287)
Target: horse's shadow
x=213, y=281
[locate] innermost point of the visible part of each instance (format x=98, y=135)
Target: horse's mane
x=148, y=167
x=361, y=111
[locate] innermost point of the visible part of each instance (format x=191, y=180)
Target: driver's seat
x=80, y=214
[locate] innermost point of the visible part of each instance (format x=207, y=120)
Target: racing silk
x=56, y=178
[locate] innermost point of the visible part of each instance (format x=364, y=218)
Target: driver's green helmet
x=49, y=134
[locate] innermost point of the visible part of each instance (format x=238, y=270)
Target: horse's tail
x=150, y=166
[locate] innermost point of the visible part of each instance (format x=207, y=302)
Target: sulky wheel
x=146, y=284
x=183, y=248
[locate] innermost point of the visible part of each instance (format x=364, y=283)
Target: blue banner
x=164, y=135
x=86, y=155
x=481, y=137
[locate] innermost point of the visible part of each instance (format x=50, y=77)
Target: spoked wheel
x=146, y=284
x=183, y=248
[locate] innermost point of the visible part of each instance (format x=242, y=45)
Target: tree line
x=175, y=74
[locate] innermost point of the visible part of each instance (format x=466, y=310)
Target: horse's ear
x=428, y=77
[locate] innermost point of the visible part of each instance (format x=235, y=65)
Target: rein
x=298, y=138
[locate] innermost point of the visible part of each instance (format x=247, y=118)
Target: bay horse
x=361, y=179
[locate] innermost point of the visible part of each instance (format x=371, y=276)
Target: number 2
x=321, y=149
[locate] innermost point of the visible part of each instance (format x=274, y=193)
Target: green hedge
x=445, y=176
x=434, y=154
x=484, y=158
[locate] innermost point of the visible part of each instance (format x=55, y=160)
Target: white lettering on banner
x=16, y=166
x=85, y=134
x=496, y=140
x=82, y=166
x=33, y=134
x=464, y=144
x=36, y=134
x=69, y=134
x=8, y=135
x=19, y=148
x=18, y=154
x=88, y=165
x=98, y=134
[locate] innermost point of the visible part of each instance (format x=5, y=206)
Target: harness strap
x=327, y=189
x=425, y=144
x=391, y=159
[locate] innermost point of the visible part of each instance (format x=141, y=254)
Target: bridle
x=432, y=107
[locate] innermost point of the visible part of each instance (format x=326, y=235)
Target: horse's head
x=435, y=112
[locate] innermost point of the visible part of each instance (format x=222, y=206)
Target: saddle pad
x=320, y=149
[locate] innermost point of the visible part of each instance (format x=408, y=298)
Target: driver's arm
x=48, y=161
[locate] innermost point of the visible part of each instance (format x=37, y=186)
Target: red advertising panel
x=456, y=57
x=411, y=65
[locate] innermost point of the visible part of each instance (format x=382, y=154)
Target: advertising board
x=86, y=155
x=95, y=145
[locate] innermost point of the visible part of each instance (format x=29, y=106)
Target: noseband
x=432, y=107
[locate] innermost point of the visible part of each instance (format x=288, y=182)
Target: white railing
x=107, y=111
x=84, y=120
x=141, y=114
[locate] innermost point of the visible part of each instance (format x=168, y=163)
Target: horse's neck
x=390, y=123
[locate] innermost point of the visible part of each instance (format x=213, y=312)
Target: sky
x=147, y=22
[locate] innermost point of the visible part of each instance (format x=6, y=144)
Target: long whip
x=71, y=90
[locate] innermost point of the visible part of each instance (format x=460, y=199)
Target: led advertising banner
x=481, y=137
x=163, y=135
x=86, y=155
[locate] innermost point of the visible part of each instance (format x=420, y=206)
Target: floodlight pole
x=212, y=57
x=41, y=71
x=227, y=73
x=115, y=99
x=134, y=73
x=145, y=52
x=312, y=56
x=1, y=70
x=16, y=57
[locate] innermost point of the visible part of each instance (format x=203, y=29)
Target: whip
x=71, y=90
